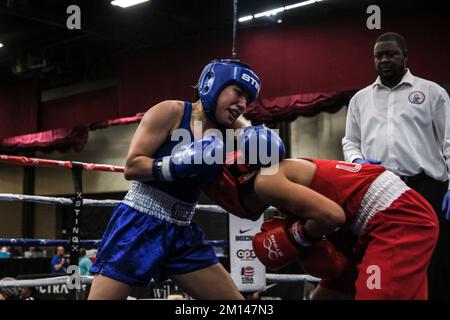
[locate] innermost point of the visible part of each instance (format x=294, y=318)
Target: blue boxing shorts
x=139, y=246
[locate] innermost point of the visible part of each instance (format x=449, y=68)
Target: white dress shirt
x=406, y=127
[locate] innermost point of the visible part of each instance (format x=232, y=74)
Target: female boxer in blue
x=150, y=235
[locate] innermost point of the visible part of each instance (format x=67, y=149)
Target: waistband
x=383, y=191
x=157, y=203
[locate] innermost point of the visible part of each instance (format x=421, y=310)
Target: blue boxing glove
x=201, y=157
x=366, y=161
x=261, y=147
x=446, y=205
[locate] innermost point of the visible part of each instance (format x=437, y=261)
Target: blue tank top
x=187, y=190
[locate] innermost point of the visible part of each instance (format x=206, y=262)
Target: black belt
x=417, y=178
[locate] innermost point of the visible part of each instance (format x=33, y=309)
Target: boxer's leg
x=211, y=283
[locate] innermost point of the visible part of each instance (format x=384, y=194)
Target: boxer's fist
x=273, y=246
x=261, y=147
x=202, y=157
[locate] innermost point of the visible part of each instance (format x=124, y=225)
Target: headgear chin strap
x=227, y=190
x=220, y=73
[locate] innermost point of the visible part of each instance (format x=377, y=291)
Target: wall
x=319, y=136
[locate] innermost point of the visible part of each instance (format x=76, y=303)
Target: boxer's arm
x=157, y=123
x=322, y=215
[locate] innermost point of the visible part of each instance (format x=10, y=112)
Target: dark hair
x=394, y=36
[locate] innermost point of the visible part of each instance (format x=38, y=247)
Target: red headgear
x=227, y=189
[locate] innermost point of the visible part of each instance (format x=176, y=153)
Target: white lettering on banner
x=57, y=289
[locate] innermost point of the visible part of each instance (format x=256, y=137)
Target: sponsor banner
x=247, y=271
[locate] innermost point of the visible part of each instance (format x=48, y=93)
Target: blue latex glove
x=366, y=161
x=446, y=205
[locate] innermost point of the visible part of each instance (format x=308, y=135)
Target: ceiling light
x=126, y=3
x=1, y=44
x=269, y=13
x=246, y=18
x=301, y=4
x=278, y=10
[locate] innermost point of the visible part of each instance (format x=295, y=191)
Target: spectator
x=58, y=261
x=5, y=253
x=84, y=263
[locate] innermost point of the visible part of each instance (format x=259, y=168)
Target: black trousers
x=439, y=270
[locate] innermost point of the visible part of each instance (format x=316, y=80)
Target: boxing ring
x=77, y=202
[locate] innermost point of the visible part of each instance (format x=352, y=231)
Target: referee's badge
x=416, y=97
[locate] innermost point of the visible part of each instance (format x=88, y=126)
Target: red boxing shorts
x=393, y=254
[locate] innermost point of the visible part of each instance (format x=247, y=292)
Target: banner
x=248, y=273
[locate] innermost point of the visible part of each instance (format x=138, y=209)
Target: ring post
x=74, y=240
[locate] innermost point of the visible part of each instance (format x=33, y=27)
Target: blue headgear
x=220, y=73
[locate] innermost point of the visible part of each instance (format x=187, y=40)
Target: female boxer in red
x=396, y=228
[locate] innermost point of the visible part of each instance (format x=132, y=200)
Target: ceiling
x=38, y=45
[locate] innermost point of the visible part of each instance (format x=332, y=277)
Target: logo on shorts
x=247, y=274
x=416, y=97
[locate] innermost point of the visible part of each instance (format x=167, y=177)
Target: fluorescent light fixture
x=269, y=13
x=278, y=10
x=246, y=18
x=126, y=3
x=301, y=4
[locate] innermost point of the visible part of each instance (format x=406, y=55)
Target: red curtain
x=18, y=109
x=288, y=108
x=61, y=140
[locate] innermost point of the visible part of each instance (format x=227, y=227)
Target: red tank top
x=343, y=182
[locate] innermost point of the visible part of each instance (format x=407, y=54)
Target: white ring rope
x=96, y=203
x=56, y=200
x=7, y=283
x=273, y=277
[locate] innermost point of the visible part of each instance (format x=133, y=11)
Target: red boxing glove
x=278, y=243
